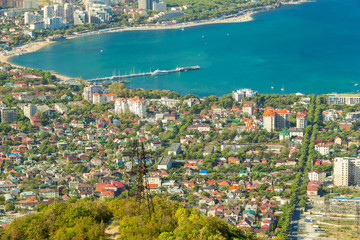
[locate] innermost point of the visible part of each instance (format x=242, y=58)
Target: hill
x=87, y=220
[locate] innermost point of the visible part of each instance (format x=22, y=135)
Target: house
x=317, y=175
x=35, y=121
x=165, y=163
x=322, y=148
x=48, y=193
x=312, y=188
x=208, y=150
x=244, y=224
x=61, y=108
x=175, y=149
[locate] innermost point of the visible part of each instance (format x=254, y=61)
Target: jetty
x=151, y=73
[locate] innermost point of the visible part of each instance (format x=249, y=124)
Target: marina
x=150, y=73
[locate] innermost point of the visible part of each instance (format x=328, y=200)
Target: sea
x=311, y=48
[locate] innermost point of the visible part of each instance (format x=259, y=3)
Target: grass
x=346, y=229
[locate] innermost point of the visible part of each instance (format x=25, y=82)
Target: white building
x=37, y=25
x=99, y=13
x=69, y=12
x=340, y=99
x=317, y=175
x=103, y=98
x=90, y=90
x=80, y=17
x=48, y=12
x=346, y=171
x=240, y=94
x=322, y=148
x=165, y=163
x=331, y=115
x=301, y=120
x=54, y=23
x=29, y=110
x=61, y=108
x=31, y=4
x=134, y=105
x=58, y=11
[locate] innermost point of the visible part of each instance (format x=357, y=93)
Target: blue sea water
x=307, y=48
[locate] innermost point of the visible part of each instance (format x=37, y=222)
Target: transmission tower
x=327, y=208
x=139, y=168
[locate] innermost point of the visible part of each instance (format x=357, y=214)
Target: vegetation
x=87, y=220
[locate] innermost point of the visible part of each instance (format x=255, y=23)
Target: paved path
x=112, y=231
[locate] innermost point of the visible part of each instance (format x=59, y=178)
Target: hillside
x=87, y=220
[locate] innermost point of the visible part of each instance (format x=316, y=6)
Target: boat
x=159, y=72
x=101, y=50
x=182, y=29
x=356, y=84
x=272, y=87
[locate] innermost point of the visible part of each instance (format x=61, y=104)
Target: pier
x=134, y=75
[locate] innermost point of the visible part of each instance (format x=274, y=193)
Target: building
x=31, y=4
x=341, y=99
x=37, y=25
x=248, y=108
x=61, y=108
x=30, y=17
x=322, y=148
x=241, y=94
x=158, y=6
x=145, y=4
x=99, y=13
x=346, y=171
x=301, y=120
x=90, y=90
x=317, y=175
x=29, y=110
x=58, y=11
x=103, y=98
x=165, y=163
x=331, y=115
x=80, y=17
x=54, y=23
x=69, y=12
x=175, y=149
x=134, y=105
x=48, y=12
x=8, y=115
x=276, y=118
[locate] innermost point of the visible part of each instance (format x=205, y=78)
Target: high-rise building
x=346, y=171
x=301, y=119
x=158, y=6
x=90, y=90
x=30, y=110
x=276, y=118
x=99, y=13
x=54, y=23
x=134, y=105
x=58, y=11
x=29, y=17
x=69, y=12
x=144, y=4
x=48, y=11
x=80, y=17
x=8, y=115
x=31, y=4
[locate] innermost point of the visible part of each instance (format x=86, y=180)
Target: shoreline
x=36, y=46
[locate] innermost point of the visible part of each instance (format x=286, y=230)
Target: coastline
x=36, y=46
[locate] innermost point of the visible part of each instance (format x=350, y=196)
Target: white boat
x=356, y=84
x=159, y=72
x=101, y=50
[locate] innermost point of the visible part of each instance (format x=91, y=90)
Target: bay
x=307, y=48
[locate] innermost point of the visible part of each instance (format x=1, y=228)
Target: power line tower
x=139, y=167
x=327, y=208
